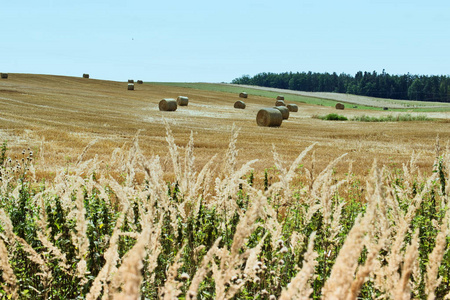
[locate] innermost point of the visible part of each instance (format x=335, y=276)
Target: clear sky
x=217, y=41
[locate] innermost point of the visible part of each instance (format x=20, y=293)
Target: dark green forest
x=384, y=85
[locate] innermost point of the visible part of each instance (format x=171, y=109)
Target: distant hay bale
x=284, y=111
x=168, y=104
x=269, y=117
x=239, y=104
x=182, y=101
x=280, y=103
x=385, y=108
x=140, y=82
x=130, y=81
x=5, y=75
x=243, y=95
x=131, y=87
x=292, y=107
x=340, y=106
x=280, y=97
x=85, y=75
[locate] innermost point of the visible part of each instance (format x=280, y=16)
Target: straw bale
x=130, y=81
x=131, y=86
x=280, y=103
x=85, y=75
x=168, y=104
x=239, y=104
x=269, y=117
x=292, y=107
x=182, y=101
x=243, y=95
x=5, y=75
x=284, y=111
x=280, y=97
x=140, y=82
x=340, y=106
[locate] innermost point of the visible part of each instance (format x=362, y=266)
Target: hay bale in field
x=131, y=86
x=269, y=117
x=140, y=82
x=182, y=101
x=239, y=104
x=280, y=97
x=385, y=108
x=280, y=103
x=292, y=107
x=168, y=104
x=243, y=95
x=340, y=106
x=284, y=111
x=85, y=75
x=130, y=81
x=4, y=75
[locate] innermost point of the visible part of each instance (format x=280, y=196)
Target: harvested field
x=58, y=116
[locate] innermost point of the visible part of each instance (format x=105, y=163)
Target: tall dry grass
x=211, y=234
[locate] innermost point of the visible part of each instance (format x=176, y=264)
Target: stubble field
x=58, y=116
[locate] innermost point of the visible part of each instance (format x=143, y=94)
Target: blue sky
x=217, y=41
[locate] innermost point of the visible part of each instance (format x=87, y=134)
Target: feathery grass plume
x=203, y=180
x=111, y=256
x=342, y=273
x=188, y=180
x=129, y=274
x=435, y=258
x=173, y=150
x=81, y=156
x=226, y=190
x=80, y=239
x=364, y=270
x=286, y=176
x=171, y=289
x=300, y=286
x=8, y=276
x=387, y=277
x=323, y=190
x=232, y=152
x=252, y=260
x=403, y=289
x=202, y=271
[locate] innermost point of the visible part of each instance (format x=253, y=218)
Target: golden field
x=58, y=116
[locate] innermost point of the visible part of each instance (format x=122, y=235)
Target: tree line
x=384, y=85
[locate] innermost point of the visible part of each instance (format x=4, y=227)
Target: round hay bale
x=340, y=106
x=140, y=82
x=4, y=75
x=182, y=101
x=292, y=107
x=130, y=81
x=269, y=117
x=284, y=111
x=131, y=86
x=280, y=103
x=239, y=104
x=85, y=75
x=168, y=104
x=280, y=97
x=243, y=95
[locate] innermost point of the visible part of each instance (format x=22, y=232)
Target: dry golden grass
x=61, y=115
